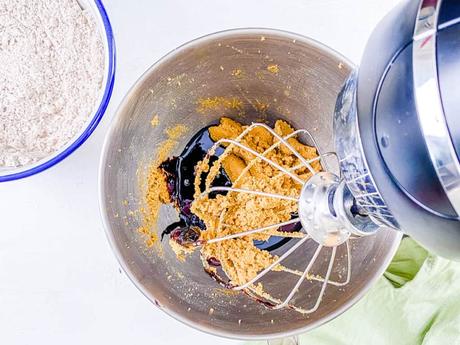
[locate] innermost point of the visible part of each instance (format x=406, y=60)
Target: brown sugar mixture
x=156, y=190
x=210, y=161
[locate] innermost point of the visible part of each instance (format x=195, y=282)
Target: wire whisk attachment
x=323, y=212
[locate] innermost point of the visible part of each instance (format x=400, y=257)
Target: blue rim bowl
x=109, y=43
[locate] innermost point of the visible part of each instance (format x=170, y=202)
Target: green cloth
x=406, y=263
x=416, y=302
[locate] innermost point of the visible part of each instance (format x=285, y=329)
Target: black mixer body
x=397, y=125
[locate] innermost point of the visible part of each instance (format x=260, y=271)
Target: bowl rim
x=99, y=113
x=105, y=218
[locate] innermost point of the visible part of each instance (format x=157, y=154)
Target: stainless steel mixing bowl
x=231, y=64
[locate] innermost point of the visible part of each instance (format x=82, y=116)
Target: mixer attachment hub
x=328, y=212
x=317, y=213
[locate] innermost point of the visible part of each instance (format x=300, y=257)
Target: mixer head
x=396, y=125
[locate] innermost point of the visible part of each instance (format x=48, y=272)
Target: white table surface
x=59, y=282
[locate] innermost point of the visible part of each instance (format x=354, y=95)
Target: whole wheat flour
x=51, y=73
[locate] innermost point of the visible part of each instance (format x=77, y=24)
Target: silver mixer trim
x=428, y=102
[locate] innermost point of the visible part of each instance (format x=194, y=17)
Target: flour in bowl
x=51, y=74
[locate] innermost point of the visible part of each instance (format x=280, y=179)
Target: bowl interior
x=224, y=67
x=96, y=9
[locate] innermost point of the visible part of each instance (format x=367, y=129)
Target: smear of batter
x=156, y=189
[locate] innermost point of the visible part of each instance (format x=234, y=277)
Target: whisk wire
x=301, y=279
x=248, y=191
x=286, y=143
x=265, y=159
x=326, y=280
x=274, y=264
x=332, y=282
x=253, y=231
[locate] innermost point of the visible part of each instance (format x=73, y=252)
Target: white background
x=59, y=282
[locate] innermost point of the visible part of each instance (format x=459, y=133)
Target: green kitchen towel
x=406, y=263
x=416, y=302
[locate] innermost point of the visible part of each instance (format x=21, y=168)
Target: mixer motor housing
x=397, y=124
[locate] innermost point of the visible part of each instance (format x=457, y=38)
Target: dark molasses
x=180, y=179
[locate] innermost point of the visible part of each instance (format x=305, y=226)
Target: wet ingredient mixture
x=205, y=214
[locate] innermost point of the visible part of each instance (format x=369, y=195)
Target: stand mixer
x=398, y=108
x=397, y=126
